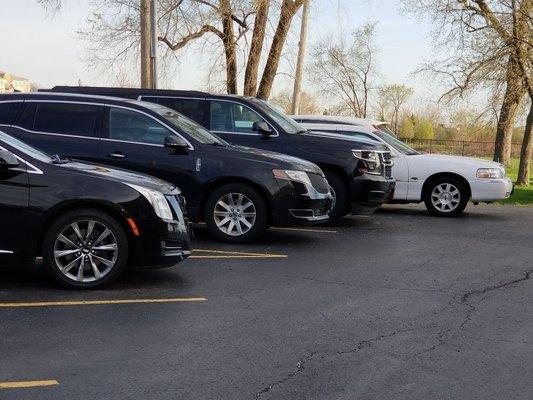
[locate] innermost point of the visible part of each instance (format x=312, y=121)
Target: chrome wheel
x=85, y=251
x=234, y=214
x=445, y=197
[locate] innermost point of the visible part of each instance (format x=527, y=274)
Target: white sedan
x=444, y=183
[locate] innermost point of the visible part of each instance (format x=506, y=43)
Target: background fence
x=459, y=147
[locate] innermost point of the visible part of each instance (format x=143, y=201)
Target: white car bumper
x=491, y=189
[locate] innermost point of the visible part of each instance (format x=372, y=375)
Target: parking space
x=398, y=305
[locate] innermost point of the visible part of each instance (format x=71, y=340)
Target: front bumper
x=369, y=192
x=489, y=190
x=161, y=244
x=296, y=204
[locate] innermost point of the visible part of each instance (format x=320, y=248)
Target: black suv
x=237, y=191
x=87, y=221
x=359, y=171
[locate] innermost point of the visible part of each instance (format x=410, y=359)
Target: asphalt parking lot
x=395, y=306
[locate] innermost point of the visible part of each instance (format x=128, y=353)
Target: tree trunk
x=229, y=47
x=511, y=102
x=296, y=93
x=527, y=149
x=146, y=60
x=256, y=48
x=288, y=10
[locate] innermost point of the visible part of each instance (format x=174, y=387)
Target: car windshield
x=396, y=143
x=287, y=124
x=25, y=148
x=191, y=128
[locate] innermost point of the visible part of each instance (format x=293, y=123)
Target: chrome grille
x=386, y=159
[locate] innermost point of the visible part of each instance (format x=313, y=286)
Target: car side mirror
x=263, y=128
x=176, y=143
x=8, y=160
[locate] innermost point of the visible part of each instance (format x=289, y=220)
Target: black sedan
x=88, y=222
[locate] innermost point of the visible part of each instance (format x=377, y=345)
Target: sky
x=47, y=51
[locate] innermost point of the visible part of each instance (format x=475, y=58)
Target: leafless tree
x=230, y=33
x=487, y=43
x=346, y=69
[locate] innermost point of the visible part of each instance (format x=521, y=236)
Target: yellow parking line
x=235, y=257
x=237, y=253
x=233, y=254
x=27, y=384
x=102, y=302
x=304, y=230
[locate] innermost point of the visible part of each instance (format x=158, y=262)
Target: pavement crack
x=471, y=308
x=300, y=365
x=477, y=292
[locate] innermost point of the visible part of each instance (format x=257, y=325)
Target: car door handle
x=117, y=155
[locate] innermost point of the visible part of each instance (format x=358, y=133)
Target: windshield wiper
x=57, y=159
x=219, y=144
x=302, y=131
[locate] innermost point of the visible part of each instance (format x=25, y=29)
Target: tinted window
x=232, y=117
x=131, y=126
x=69, y=119
x=9, y=111
x=28, y=116
x=192, y=108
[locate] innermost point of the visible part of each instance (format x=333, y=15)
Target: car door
x=14, y=213
x=69, y=129
x=134, y=140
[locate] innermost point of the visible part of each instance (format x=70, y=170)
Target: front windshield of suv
x=396, y=143
x=25, y=148
x=191, y=128
x=287, y=124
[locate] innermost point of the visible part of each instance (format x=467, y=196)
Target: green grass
x=523, y=195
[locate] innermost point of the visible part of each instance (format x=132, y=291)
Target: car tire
x=341, y=198
x=446, y=196
x=87, y=237
x=236, y=213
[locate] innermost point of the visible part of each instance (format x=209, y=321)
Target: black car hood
x=120, y=175
x=347, y=141
x=272, y=159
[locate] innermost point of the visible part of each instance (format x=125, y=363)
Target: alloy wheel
x=86, y=250
x=235, y=214
x=445, y=197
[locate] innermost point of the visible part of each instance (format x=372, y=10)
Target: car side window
x=132, y=126
x=195, y=109
x=65, y=118
x=9, y=111
x=232, y=117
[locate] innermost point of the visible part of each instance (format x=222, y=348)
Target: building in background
x=11, y=83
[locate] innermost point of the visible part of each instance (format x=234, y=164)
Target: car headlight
x=156, y=199
x=370, y=161
x=490, y=173
x=297, y=176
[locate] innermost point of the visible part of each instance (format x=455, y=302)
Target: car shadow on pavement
x=482, y=212
x=271, y=237
x=26, y=277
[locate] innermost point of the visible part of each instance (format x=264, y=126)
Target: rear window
x=9, y=111
x=63, y=118
x=193, y=108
